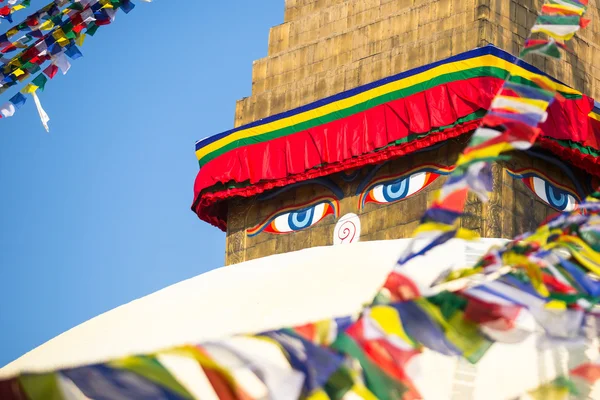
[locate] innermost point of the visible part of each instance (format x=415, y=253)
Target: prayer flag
x=7, y=109
x=18, y=100
x=40, y=81
x=544, y=47
x=51, y=71
x=73, y=52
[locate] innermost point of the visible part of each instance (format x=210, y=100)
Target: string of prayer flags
x=374, y=355
x=559, y=19
x=511, y=123
x=549, y=48
x=9, y=108
x=52, y=35
x=12, y=7
x=559, y=26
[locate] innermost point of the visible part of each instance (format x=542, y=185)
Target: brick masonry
x=324, y=47
x=328, y=46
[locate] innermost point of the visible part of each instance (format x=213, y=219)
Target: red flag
x=51, y=71
x=501, y=316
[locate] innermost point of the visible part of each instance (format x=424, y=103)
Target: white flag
x=7, y=109
x=43, y=116
x=61, y=61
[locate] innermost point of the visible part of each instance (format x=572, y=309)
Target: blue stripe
x=487, y=50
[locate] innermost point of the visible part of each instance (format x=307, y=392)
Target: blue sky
x=97, y=213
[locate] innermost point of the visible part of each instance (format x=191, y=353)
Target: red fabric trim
x=353, y=136
x=356, y=141
x=210, y=207
x=568, y=120
x=586, y=162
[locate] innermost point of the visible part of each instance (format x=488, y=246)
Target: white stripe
x=69, y=390
x=516, y=294
x=561, y=30
x=503, y=102
x=240, y=369
x=488, y=297
x=569, y=5
x=487, y=133
x=281, y=379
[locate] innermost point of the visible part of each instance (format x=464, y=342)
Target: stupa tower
x=326, y=49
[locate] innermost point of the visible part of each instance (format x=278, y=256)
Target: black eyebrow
x=324, y=182
x=367, y=179
x=564, y=167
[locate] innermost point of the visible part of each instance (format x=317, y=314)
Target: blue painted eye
x=301, y=219
x=390, y=191
x=395, y=190
x=552, y=193
x=296, y=218
x=554, y=196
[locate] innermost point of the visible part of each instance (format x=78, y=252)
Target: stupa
x=357, y=115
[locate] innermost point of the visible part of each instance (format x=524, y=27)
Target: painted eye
x=301, y=219
x=390, y=189
x=297, y=218
x=397, y=190
x=555, y=195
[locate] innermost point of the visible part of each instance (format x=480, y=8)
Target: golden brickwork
x=328, y=46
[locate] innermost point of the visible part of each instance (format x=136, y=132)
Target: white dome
x=292, y=289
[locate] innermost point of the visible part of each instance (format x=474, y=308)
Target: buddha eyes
x=391, y=189
x=394, y=188
x=557, y=196
x=297, y=218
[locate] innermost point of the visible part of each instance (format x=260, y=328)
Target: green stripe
x=41, y=387
x=576, y=146
x=410, y=138
x=485, y=71
x=558, y=20
x=382, y=385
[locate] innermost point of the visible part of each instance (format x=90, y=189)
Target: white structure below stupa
x=293, y=289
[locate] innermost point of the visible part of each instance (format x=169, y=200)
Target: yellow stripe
x=388, y=319
x=457, y=66
x=594, y=116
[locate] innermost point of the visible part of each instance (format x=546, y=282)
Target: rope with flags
x=510, y=124
x=51, y=37
x=12, y=7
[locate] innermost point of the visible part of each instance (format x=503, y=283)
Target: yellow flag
x=30, y=88
x=80, y=39
x=46, y=26
x=60, y=37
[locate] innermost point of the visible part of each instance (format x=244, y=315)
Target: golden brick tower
x=333, y=49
